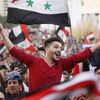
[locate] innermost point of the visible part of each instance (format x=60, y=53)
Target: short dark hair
x=52, y=39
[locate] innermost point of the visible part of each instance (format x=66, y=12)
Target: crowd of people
x=22, y=72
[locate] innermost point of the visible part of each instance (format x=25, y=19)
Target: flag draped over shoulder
x=19, y=36
x=38, y=12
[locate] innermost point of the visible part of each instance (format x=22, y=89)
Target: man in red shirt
x=46, y=71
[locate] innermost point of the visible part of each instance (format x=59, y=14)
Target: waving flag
x=90, y=36
x=87, y=43
x=38, y=12
x=19, y=36
x=62, y=33
x=82, y=84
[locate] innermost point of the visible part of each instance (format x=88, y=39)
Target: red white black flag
x=83, y=84
x=19, y=36
x=62, y=33
x=38, y=12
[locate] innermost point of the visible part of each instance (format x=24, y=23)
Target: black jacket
x=95, y=58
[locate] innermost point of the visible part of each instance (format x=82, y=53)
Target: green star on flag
x=30, y=2
x=38, y=12
x=47, y=6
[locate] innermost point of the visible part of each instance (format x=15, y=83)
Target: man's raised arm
x=9, y=44
x=7, y=41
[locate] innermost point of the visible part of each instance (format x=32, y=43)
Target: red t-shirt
x=40, y=74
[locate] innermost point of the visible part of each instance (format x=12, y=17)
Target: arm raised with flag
x=52, y=64
x=10, y=45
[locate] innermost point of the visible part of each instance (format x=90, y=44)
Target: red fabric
x=25, y=32
x=14, y=1
x=40, y=74
x=66, y=32
x=75, y=70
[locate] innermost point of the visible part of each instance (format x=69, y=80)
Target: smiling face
x=53, y=50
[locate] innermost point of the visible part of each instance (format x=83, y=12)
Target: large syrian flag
x=19, y=36
x=38, y=12
x=82, y=84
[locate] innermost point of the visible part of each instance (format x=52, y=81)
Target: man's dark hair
x=52, y=39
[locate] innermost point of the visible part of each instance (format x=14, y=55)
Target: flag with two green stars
x=38, y=12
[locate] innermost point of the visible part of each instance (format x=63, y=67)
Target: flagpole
x=69, y=19
x=58, y=29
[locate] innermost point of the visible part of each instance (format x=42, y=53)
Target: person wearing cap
x=22, y=69
x=48, y=70
x=14, y=86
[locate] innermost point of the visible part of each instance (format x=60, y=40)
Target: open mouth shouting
x=57, y=55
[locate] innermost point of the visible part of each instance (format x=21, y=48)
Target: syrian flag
x=62, y=33
x=2, y=47
x=87, y=42
x=38, y=12
x=90, y=36
x=84, y=83
x=19, y=36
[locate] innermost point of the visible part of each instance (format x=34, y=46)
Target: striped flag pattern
x=19, y=36
x=83, y=83
x=62, y=33
x=38, y=12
